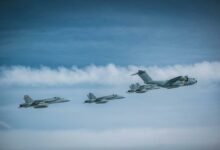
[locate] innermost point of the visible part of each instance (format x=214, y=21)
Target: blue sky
x=71, y=48
x=125, y=33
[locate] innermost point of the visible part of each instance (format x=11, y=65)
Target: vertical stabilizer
x=28, y=99
x=132, y=86
x=91, y=96
x=144, y=76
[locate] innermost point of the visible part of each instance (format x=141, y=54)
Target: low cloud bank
x=103, y=75
x=175, y=138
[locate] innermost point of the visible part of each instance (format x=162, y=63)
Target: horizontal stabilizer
x=91, y=96
x=28, y=99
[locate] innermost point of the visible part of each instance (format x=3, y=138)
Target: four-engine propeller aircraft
x=43, y=103
x=172, y=83
x=101, y=100
x=137, y=88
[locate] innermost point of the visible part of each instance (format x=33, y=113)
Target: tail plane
x=144, y=76
x=91, y=96
x=28, y=99
x=134, y=86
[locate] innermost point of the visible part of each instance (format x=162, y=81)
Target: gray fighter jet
x=137, y=88
x=172, y=83
x=101, y=100
x=43, y=103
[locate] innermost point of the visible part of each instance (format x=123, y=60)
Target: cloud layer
x=138, y=138
x=104, y=75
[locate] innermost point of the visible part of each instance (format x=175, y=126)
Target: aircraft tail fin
x=137, y=85
x=28, y=99
x=144, y=76
x=134, y=86
x=91, y=96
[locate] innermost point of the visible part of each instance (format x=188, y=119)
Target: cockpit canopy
x=186, y=78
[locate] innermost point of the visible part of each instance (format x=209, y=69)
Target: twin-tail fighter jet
x=137, y=88
x=101, y=100
x=43, y=103
x=171, y=83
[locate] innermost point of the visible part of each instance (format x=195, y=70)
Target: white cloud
x=112, y=139
x=106, y=75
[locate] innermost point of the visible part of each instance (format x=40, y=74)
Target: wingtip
x=138, y=72
x=134, y=74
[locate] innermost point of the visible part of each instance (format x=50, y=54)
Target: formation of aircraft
x=100, y=100
x=171, y=83
x=43, y=103
x=149, y=84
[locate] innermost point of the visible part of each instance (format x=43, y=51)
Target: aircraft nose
x=195, y=81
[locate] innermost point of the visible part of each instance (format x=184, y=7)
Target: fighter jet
x=171, y=83
x=43, y=103
x=137, y=88
x=101, y=100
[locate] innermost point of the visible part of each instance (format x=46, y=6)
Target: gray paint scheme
x=137, y=88
x=101, y=100
x=171, y=83
x=43, y=103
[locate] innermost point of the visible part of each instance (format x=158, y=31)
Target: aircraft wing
x=41, y=105
x=151, y=86
x=100, y=98
x=171, y=81
x=142, y=87
x=101, y=102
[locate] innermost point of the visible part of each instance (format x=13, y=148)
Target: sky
x=70, y=48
